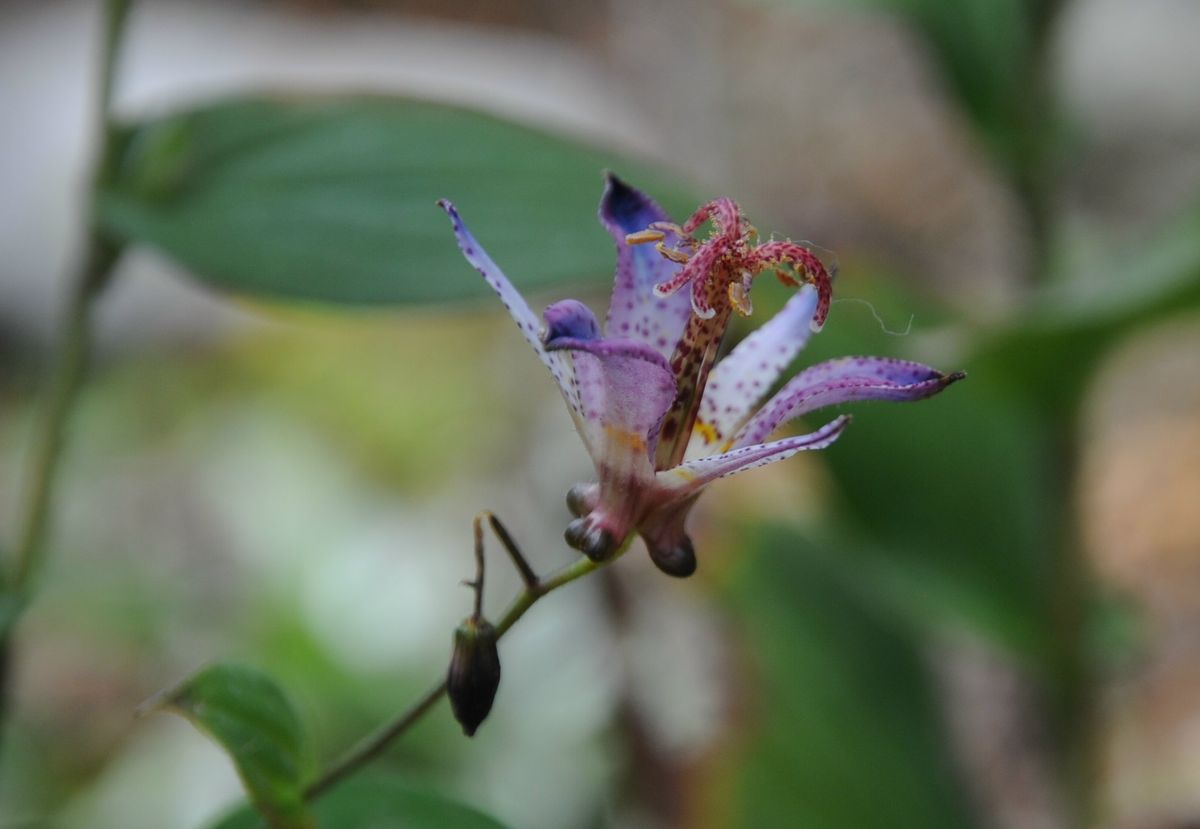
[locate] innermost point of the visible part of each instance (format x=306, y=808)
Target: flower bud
x=582, y=499
x=593, y=541
x=474, y=673
x=678, y=561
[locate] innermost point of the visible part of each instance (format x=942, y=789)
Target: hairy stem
x=376, y=743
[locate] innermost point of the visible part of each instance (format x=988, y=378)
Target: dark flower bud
x=474, y=673
x=594, y=542
x=581, y=499
x=678, y=561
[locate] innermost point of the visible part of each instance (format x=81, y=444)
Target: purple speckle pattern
x=740, y=381
x=622, y=389
x=625, y=388
x=844, y=380
x=528, y=322
x=635, y=311
x=698, y=473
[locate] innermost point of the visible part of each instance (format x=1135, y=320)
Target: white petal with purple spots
x=745, y=376
x=514, y=303
x=691, y=476
x=844, y=380
x=635, y=311
x=625, y=387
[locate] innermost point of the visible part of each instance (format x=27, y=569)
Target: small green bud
x=474, y=673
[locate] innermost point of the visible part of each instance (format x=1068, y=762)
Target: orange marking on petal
x=686, y=474
x=626, y=438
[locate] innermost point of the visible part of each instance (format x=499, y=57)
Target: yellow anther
x=671, y=253
x=739, y=297
x=668, y=227
x=643, y=237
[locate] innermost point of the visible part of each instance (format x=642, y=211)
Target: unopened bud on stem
x=474, y=673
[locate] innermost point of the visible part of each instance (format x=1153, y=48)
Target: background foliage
x=937, y=529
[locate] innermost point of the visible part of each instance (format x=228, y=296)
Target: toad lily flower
x=660, y=417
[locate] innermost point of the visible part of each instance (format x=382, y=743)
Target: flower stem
x=376, y=743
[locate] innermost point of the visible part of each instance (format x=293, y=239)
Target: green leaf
x=333, y=200
x=251, y=718
x=948, y=504
x=1049, y=356
x=12, y=604
x=846, y=731
x=376, y=802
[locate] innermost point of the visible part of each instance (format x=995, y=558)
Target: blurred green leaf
x=11, y=606
x=251, y=718
x=947, y=504
x=846, y=732
x=333, y=200
x=375, y=802
x=956, y=494
x=1048, y=356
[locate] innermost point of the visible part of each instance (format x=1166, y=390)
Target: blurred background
x=978, y=611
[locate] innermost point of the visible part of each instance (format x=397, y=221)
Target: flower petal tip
x=624, y=208
x=832, y=430
x=568, y=319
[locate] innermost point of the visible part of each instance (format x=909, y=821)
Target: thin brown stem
x=478, y=583
x=514, y=552
x=376, y=743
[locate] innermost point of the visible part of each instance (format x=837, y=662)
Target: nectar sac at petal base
x=660, y=416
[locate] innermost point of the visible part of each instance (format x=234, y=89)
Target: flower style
x=659, y=415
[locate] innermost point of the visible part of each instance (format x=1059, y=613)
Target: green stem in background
x=376, y=743
x=116, y=15
x=1036, y=124
x=70, y=363
x=99, y=257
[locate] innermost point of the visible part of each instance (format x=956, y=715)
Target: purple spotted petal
x=743, y=378
x=635, y=312
x=687, y=478
x=514, y=303
x=841, y=381
x=625, y=387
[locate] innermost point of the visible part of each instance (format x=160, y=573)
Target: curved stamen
x=807, y=265
x=723, y=212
